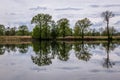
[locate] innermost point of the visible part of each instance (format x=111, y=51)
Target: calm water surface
x=60, y=61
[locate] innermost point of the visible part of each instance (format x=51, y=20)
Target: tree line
x=20, y=31
x=46, y=27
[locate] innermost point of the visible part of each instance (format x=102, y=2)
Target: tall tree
x=83, y=24
x=35, y=32
x=42, y=20
x=54, y=30
x=63, y=24
x=106, y=16
x=77, y=31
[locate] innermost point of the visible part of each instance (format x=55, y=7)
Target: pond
x=60, y=61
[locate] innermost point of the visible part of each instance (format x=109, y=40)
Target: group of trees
x=45, y=27
x=8, y=31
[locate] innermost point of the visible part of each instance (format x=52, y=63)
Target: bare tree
x=106, y=16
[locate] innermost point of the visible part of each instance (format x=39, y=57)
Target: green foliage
x=63, y=27
x=23, y=30
x=12, y=31
x=83, y=25
x=43, y=21
x=36, y=32
x=7, y=31
x=77, y=31
x=54, y=30
x=2, y=30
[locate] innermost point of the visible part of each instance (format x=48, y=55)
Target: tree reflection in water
x=10, y=47
x=81, y=51
x=108, y=47
x=23, y=48
x=2, y=49
x=46, y=51
x=42, y=50
x=63, y=53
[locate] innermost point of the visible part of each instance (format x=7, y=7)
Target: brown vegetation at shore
x=7, y=39
x=14, y=39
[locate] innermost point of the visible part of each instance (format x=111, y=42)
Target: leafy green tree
x=45, y=34
x=83, y=24
x=63, y=25
x=54, y=30
x=13, y=31
x=77, y=31
x=7, y=31
x=2, y=29
x=43, y=21
x=23, y=30
x=35, y=33
x=47, y=21
x=107, y=15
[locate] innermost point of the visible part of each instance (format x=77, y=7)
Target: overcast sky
x=18, y=12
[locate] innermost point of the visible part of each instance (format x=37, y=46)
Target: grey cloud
x=94, y=6
x=69, y=8
x=12, y=14
x=78, y=15
x=112, y=5
x=38, y=8
x=69, y=68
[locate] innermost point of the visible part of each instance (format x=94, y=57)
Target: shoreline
x=67, y=38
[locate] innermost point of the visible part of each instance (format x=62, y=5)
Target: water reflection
x=42, y=50
x=63, y=53
x=109, y=46
x=81, y=51
x=46, y=51
x=21, y=48
x=2, y=49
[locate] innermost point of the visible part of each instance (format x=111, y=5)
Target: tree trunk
x=40, y=31
x=108, y=30
x=63, y=32
x=82, y=34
